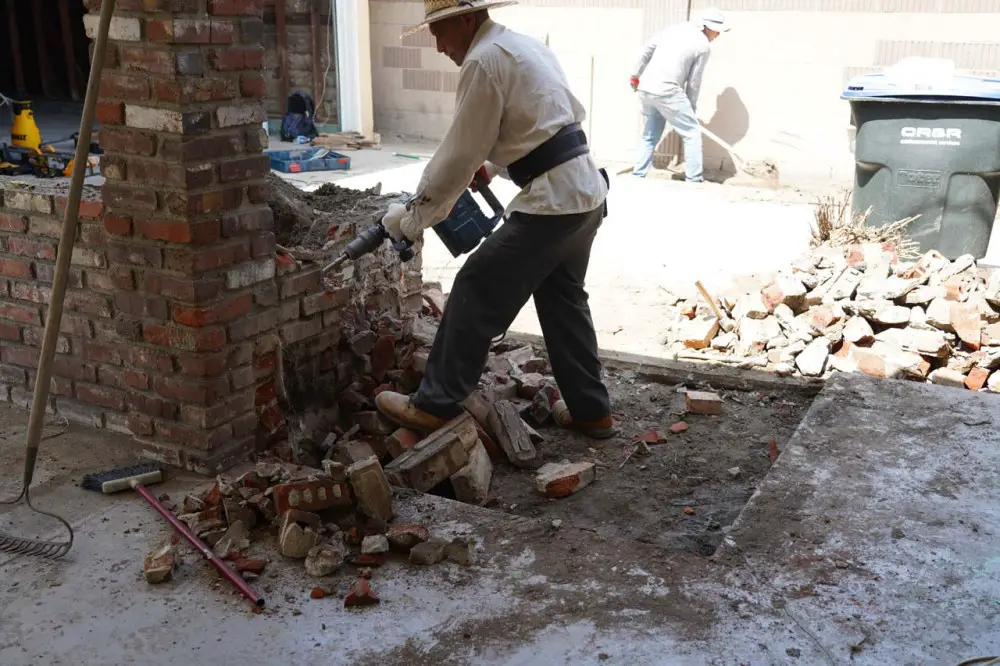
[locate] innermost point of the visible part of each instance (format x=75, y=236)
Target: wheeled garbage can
x=928, y=149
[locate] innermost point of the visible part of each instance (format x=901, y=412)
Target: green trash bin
x=932, y=151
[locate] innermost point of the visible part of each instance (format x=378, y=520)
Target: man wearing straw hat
x=514, y=116
x=668, y=78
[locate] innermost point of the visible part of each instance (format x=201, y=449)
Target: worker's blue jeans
x=674, y=108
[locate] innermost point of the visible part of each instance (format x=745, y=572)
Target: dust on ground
x=650, y=496
x=322, y=219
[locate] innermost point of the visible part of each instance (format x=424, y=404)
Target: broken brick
x=383, y=356
x=402, y=538
x=785, y=290
x=294, y=540
x=366, y=560
x=371, y=488
x=400, y=440
x=246, y=565
x=652, y=437
x=678, y=427
x=698, y=333
x=436, y=457
x=158, y=566
x=563, y=479
x=967, y=323
x=372, y=422
x=317, y=593
x=703, y=402
x=472, y=483
x=361, y=594
x=977, y=378
x=511, y=434
x=311, y=495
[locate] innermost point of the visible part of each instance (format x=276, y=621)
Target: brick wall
x=92, y=373
x=289, y=336
x=299, y=57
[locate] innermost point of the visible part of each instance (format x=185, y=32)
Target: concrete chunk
x=812, y=361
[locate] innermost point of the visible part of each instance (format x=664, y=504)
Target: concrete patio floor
x=871, y=541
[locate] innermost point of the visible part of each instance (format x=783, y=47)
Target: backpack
x=298, y=121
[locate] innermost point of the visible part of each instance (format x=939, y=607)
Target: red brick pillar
x=189, y=232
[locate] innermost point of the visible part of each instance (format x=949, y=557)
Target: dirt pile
x=857, y=309
x=316, y=224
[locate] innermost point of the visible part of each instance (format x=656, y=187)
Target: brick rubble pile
x=857, y=309
x=335, y=507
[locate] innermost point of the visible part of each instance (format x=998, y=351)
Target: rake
x=8, y=542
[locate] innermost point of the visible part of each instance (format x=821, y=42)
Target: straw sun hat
x=436, y=10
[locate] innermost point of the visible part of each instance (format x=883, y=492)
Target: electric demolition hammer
x=461, y=232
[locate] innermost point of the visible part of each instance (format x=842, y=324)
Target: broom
x=136, y=478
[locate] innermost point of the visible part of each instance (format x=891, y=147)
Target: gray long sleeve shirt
x=674, y=58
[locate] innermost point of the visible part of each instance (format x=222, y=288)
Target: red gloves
x=480, y=176
x=634, y=82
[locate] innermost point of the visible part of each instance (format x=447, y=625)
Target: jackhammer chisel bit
x=367, y=242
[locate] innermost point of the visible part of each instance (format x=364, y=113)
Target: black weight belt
x=567, y=143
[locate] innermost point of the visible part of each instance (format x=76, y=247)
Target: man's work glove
x=634, y=82
x=482, y=173
x=393, y=220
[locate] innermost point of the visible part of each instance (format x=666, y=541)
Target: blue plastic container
x=308, y=159
x=928, y=145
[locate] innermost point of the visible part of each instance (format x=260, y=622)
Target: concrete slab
x=875, y=529
x=878, y=526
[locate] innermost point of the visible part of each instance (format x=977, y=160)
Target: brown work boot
x=600, y=429
x=397, y=408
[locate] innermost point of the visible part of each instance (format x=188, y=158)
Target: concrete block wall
x=772, y=87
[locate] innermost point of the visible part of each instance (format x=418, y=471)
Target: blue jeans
x=674, y=108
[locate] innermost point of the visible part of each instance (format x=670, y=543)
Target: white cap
x=713, y=19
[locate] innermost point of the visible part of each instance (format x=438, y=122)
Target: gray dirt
x=311, y=220
x=646, y=497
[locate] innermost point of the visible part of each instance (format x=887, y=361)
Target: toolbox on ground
x=308, y=159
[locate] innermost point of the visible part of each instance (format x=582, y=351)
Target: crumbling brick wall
x=321, y=317
x=299, y=57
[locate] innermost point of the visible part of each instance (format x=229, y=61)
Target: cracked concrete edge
x=664, y=371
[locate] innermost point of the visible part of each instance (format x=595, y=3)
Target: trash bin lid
x=923, y=80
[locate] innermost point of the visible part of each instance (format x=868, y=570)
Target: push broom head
x=123, y=478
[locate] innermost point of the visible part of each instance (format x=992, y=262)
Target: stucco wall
x=772, y=87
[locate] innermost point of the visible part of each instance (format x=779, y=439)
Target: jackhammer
x=461, y=232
